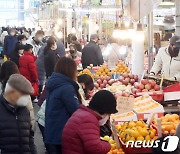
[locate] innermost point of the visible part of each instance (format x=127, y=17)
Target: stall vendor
x=168, y=60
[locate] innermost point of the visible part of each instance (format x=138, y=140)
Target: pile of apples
x=146, y=86
x=128, y=79
x=103, y=82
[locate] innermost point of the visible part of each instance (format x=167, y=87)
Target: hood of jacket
x=58, y=80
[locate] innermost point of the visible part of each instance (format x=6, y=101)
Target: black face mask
x=72, y=52
x=173, y=52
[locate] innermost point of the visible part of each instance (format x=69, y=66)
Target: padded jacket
x=167, y=64
x=27, y=67
x=16, y=135
x=81, y=135
x=62, y=101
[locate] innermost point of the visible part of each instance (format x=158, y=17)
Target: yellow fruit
x=152, y=134
x=144, y=132
x=132, y=139
x=172, y=132
x=147, y=138
x=140, y=138
x=131, y=124
x=106, y=138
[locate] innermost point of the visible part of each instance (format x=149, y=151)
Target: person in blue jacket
x=10, y=43
x=62, y=101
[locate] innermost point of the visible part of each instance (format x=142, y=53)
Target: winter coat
x=31, y=111
x=40, y=61
x=9, y=45
x=16, y=135
x=91, y=54
x=81, y=134
x=27, y=67
x=164, y=63
x=50, y=60
x=61, y=103
x=15, y=55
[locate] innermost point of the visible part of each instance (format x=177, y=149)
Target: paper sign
x=125, y=104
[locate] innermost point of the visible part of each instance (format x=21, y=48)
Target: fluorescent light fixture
x=167, y=4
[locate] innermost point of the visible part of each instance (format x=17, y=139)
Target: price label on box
x=125, y=104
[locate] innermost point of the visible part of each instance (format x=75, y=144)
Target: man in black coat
x=91, y=53
x=16, y=135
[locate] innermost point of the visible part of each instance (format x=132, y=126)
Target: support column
x=138, y=54
x=150, y=41
x=178, y=17
x=69, y=22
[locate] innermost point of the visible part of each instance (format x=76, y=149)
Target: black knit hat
x=103, y=102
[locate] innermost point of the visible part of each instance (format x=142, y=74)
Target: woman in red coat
x=81, y=134
x=27, y=67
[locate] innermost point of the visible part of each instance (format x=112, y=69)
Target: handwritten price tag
x=125, y=104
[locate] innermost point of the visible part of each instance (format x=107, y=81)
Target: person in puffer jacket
x=168, y=60
x=81, y=134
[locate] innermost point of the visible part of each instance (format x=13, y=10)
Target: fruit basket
x=158, y=96
x=129, y=150
x=136, y=131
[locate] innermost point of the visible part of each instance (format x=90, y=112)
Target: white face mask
x=12, y=33
x=40, y=39
x=23, y=42
x=103, y=121
x=23, y=101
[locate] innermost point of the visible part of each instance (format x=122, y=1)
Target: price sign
x=125, y=104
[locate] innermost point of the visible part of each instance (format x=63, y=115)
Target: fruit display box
x=128, y=116
x=144, y=106
x=134, y=150
x=156, y=95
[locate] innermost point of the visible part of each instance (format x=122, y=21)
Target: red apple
x=121, y=78
x=136, y=78
x=152, y=82
x=136, y=85
x=144, y=81
x=96, y=85
x=134, y=90
x=102, y=78
x=132, y=81
x=148, y=86
x=141, y=86
x=99, y=81
x=139, y=90
x=102, y=85
x=125, y=75
x=108, y=78
x=127, y=79
x=131, y=76
x=125, y=94
x=156, y=87
x=110, y=82
x=125, y=82
x=144, y=90
x=105, y=82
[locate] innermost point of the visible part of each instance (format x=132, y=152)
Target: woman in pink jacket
x=81, y=134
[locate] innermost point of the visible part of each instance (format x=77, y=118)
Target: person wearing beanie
x=85, y=139
x=16, y=132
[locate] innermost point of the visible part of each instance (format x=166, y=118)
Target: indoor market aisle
x=38, y=137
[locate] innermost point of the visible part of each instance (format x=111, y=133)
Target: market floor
x=38, y=137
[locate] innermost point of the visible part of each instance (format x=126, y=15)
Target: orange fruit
x=172, y=132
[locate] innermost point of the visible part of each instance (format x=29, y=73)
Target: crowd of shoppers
x=45, y=71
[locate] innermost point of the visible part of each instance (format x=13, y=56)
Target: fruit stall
x=142, y=107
